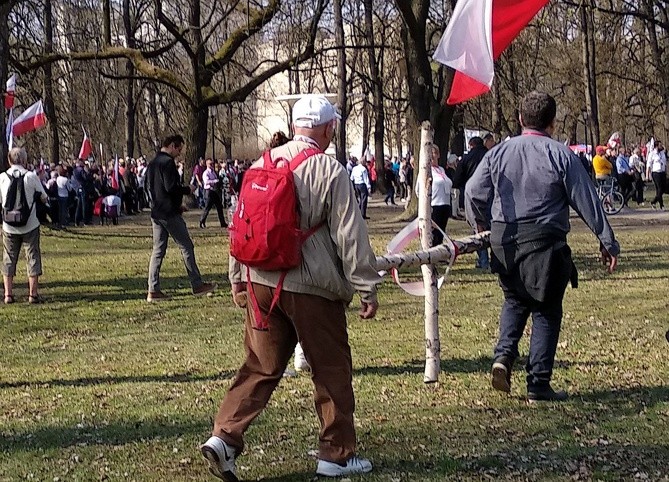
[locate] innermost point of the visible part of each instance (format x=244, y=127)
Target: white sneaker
x=221, y=459
x=301, y=364
x=354, y=465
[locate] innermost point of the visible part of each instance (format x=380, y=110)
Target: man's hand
x=610, y=261
x=193, y=188
x=239, y=295
x=368, y=310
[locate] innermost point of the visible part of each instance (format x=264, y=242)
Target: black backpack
x=16, y=210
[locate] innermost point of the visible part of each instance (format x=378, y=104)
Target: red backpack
x=265, y=229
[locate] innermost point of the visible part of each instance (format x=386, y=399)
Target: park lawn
x=99, y=385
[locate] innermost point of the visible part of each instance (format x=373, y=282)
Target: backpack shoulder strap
x=267, y=159
x=303, y=156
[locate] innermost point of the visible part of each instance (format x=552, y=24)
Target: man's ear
x=551, y=126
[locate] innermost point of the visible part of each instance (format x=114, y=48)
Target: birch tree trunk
x=432, y=344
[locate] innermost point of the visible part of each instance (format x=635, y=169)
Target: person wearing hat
x=601, y=165
x=337, y=261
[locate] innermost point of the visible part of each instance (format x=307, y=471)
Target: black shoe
x=202, y=225
x=546, y=394
x=501, y=374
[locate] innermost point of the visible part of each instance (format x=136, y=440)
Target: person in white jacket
x=657, y=163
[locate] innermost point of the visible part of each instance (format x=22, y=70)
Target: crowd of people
x=645, y=164
x=498, y=187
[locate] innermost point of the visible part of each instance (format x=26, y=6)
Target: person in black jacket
x=166, y=193
x=463, y=174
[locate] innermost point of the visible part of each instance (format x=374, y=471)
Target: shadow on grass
x=462, y=365
x=136, y=283
x=510, y=448
x=520, y=442
x=111, y=380
x=112, y=434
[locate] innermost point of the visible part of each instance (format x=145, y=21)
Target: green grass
x=99, y=385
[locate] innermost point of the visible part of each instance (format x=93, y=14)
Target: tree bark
x=365, y=123
x=49, y=104
x=106, y=22
x=660, y=64
x=432, y=343
x=342, y=82
x=153, y=114
x=589, y=70
x=423, y=100
x=5, y=8
x=227, y=138
x=377, y=91
x=130, y=107
x=130, y=111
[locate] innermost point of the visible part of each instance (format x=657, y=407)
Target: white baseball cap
x=313, y=110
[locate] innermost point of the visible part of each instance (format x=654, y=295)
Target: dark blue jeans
x=546, y=322
x=62, y=210
x=390, y=195
x=363, y=194
x=80, y=214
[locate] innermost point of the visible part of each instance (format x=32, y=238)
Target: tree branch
x=179, y=35
x=241, y=93
x=258, y=19
x=144, y=78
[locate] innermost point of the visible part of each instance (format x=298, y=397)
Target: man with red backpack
x=306, y=303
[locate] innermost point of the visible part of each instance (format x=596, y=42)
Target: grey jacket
x=535, y=179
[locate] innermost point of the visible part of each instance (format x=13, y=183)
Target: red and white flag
x=86, y=146
x=10, y=91
x=32, y=118
x=477, y=34
x=114, y=176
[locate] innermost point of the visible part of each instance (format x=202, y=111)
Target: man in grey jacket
x=337, y=261
x=522, y=192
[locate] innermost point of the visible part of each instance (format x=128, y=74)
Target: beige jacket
x=337, y=260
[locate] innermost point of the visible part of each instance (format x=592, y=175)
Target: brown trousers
x=320, y=326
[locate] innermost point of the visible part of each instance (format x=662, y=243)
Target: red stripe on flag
x=509, y=18
x=29, y=124
x=9, y=100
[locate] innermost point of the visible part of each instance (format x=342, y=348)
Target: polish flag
x=10, y=90
x=114, y=176
x=477, y=34
x=86, y=147
x=32, y=118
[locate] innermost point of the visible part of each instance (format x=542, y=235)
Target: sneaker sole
x=215, y=465
x=156, y=300
x=499, y=378
x=342, y=473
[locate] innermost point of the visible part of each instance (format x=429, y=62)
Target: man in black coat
x=166, y=193
x=463, y=173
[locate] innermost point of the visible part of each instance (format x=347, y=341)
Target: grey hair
x=18, y=155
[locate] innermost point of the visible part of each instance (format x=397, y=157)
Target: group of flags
x=31, y=119
x=477, y=34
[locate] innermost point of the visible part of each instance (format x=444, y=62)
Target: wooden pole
x=432, y=344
